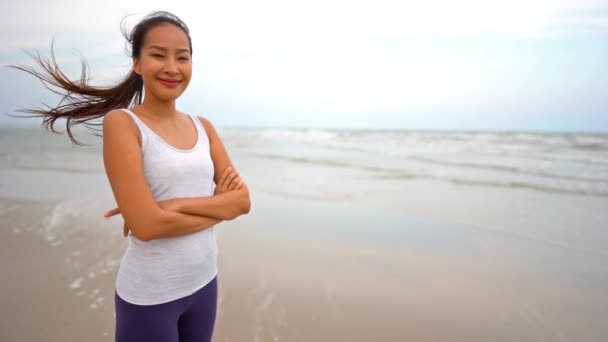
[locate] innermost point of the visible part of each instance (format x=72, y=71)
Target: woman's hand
x=116, y=211
x=125, y=229
x=228, y=181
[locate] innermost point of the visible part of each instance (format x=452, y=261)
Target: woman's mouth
x=169, y=83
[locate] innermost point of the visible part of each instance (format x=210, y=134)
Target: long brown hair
x=82, y=103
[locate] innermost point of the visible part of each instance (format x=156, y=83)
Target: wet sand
x=302, y=270
x=409, y=280
x=54, y=288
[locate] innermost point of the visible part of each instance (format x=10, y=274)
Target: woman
x=172, y=180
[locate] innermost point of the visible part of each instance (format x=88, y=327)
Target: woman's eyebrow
x=165, y=49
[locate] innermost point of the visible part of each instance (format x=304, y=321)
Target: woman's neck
x=158, y=109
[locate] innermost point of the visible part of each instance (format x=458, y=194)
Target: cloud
x=253, y=21
x=270, y=56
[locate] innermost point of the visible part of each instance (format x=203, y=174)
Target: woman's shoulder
x=119, y=120
x=116, y=117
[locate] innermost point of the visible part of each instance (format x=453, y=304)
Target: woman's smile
x=169, y=82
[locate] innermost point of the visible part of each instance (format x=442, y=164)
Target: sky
x=516, y=65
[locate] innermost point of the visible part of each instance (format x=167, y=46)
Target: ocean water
x=574, y=164
x=324, y=163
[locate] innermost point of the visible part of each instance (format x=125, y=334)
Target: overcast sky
x=539, y=65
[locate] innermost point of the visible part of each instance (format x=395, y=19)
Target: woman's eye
x=157, y=55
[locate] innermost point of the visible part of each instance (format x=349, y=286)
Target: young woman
x=172, y=180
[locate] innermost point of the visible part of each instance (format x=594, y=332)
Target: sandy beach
x=416, y=260
x=54, y=288
x=277, y=282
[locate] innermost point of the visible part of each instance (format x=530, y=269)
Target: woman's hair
x=82, y=102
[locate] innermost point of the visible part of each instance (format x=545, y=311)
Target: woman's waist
x=163, y=261
x=201, y=241
x=167, y=260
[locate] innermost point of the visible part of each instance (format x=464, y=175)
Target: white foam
x=77, y=283
x=50, y=237
x=7, y=210
x=113, y=262
x=104, y=271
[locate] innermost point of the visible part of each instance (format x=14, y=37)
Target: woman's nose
x=171, y=66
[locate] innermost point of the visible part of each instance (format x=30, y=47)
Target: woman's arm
x=221, y=162
x=123, y=161
x=226, y=206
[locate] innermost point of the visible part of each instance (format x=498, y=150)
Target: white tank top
x=162, y=270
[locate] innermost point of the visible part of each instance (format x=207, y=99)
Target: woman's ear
x=136, y=66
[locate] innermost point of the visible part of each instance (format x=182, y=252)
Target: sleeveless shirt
x=162, y=270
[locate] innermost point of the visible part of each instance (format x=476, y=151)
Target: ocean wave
x=302, y=134
x=510, y=169
x=595, y=192
x=319, y=162
x=591, y=143
x=388, y=173
x=555, y=158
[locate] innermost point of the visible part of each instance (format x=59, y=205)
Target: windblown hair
x=82, y=103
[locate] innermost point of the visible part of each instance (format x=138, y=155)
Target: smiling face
x=165, y=63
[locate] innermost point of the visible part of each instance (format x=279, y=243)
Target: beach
x=352, y=236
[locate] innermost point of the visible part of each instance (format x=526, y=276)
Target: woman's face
x=164, y=63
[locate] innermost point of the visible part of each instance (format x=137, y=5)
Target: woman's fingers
x=239, y=185
x=223, y=176
x=232, y=180
x=229, y=180
x=236, y=183
x=125, y=229
x=112, y=212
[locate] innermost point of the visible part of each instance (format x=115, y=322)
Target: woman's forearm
x=225, y=206
x=192, y=214
x=183, y=216
x=167, y=223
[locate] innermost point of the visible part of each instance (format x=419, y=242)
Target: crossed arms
x=144, y=217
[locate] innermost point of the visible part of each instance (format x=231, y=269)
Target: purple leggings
x=187, y=319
